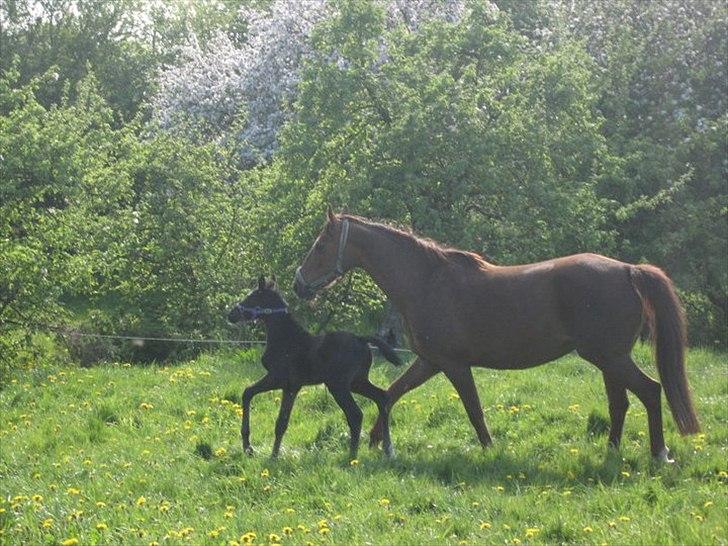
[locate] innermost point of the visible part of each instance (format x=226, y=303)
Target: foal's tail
x=387, y=351
x=667, y=323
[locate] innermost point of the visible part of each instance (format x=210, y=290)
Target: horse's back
x=599, y=304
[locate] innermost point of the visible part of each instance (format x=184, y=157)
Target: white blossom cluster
x=246, y=93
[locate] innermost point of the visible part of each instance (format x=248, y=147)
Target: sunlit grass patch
x=121, y=454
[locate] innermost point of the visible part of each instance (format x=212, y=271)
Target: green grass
x=153, y=455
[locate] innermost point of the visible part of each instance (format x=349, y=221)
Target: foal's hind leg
x=381, y=398
x=419, y=372
x=289, y=396
x=353, y=413
x=623, y=371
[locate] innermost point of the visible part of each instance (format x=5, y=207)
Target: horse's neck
x=395, y=265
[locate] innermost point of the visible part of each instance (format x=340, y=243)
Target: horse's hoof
x=389, y=452
x=664, y=456
x=375, y=438
x=249, y=451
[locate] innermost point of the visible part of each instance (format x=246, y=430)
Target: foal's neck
x=282, y=329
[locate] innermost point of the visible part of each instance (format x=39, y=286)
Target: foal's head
x=264, y=300
x=324, y=263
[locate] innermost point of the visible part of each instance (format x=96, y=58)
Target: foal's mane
x=435, y=251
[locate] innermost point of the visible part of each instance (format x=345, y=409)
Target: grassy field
x=119, y=454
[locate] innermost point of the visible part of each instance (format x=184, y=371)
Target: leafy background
x=155, y=157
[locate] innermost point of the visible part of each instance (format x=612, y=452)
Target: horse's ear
x=261, y=282
x=330, y=213
x=272, y=282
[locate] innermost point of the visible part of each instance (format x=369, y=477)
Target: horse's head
x=324, y=263
x=264, y=300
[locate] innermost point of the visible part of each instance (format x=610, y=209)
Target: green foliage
x=157, y=451
x=547, y=128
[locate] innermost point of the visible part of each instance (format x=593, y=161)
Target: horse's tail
x=387, y=351
x=666, y=318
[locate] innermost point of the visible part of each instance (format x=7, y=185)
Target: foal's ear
x=261, y=282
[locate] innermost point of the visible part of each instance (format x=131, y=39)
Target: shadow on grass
x=496, y=467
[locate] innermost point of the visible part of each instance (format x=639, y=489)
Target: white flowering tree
x=242, y=95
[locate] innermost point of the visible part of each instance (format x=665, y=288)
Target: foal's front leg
x=289, y=396
x=267, y=383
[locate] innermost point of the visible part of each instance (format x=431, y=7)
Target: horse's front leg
x=419, y=372
x=267, y=383
x=461, y=378
x=289, y=396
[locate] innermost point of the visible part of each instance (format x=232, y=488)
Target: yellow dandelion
x=214, y=533
x=485, y=525
x=588, y=529
x=47, y=523
x=274, y=538
x=146, y=406
x=264, y=473
x=324, y=531
x=70, y=542
x=532, y=532
x=266, y=488
x=625, y=474
x=707, y=504
x=384, y=502
x=612, y=523
x=73, y=491
x=354, y=462
x=515, y=541
x=153, y=543
x=287, y=531
x=248, y=538
x=574, y=451
x=37, y=498
x=624, y=518
x=141, y=501
x=289, y=511
x=323, y=523
x=100, y=504
x=101, y=526
x=220, y=452
x=500, y=488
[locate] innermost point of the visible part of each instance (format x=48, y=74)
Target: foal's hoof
x=664, y=457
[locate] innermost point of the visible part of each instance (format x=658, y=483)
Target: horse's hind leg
x=342, y=396
x=618, y=405
x=419, y=372
x=623, y=371
x=381, y=398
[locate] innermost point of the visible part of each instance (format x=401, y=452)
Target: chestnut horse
x=460, y=311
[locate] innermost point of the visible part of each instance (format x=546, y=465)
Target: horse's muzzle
x=301, y=289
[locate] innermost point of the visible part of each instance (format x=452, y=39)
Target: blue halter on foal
x=257, y=312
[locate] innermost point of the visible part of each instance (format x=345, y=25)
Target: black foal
x=295, y=358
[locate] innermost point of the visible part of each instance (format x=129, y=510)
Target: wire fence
x=68, y=332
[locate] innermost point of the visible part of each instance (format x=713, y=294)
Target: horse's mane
x=432, y=249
